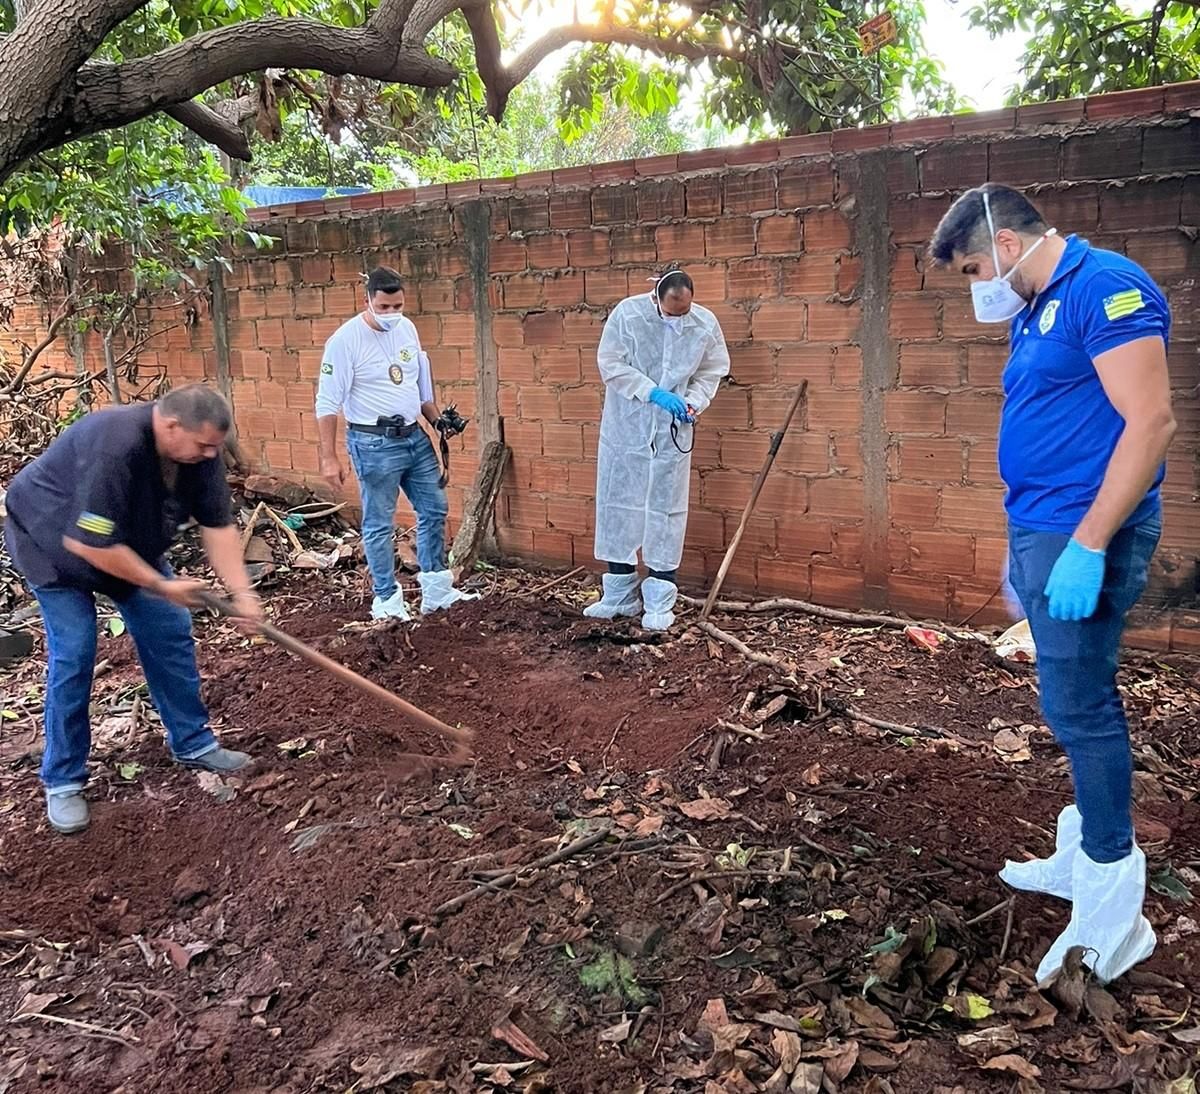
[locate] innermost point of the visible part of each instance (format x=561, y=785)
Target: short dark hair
x=673, y=280
x=384, y=279
x=964, y=230
x=197, y=405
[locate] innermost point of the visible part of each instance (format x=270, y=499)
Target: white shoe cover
x=391, y=608
x=1106, y=918
x=438, y=591
x=1050, y=875
x=620, y=597
x=659, y=598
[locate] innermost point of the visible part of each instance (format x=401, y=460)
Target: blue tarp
x=285, y=195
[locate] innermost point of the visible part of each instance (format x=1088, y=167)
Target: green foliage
x=1092, y=46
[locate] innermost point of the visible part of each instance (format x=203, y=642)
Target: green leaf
x=129, y=771
x=892, y=941
x=970, y=1006
x=1167, y=883
x=116, y=626
x=10, y=716
x=116, y=154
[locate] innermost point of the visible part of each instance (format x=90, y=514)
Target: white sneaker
x=1050, y=875
x=1106, y=918
x=659, y=597
x=438, y=591
x=620, y=597
x=391, y=608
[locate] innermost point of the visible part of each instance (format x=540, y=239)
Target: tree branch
x=68, y=309
x=112, y=95
x=209, y=125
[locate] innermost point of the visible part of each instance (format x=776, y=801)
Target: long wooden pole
x=772, y=452
x=461, y=737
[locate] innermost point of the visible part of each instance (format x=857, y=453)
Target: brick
x=906, y=272
x=982, y=465
x=826, y=230
x=985, y=121
x=836, y=497
x=559, y=366
x=656, y=165
x=958, y=318
x=834, y=411
x=529, y=213
x=633, y=244
x=563, y=289
x=581, y=404
x=752, y=365
x=515, y=366
x=547, y=252
x=506, y=256
x=1075, y=208
x=834, y=322
x=543, y=329
x=1142, y=205
x=769, y=406
x=837, y=588
x=703, y=196
x=744, y=451
x=1103, y=154
x=730, y=237
x=1172, y=148
x=972, y=509
x=750, y=193
x=581, y=329
x=1125, y=104
x=849, y=274
x=925, y=130
x=277, y=303
x=1024, y=161
x=278, y=455
x=810, y=275
x=753, y=279
x=726, y=489
x=985, y=365
x=730, y=409
x=931, y=459
x=588, y=248
x=783, y=577
x=847, y=366
x=660, y=200
x=930, y=364
x=953, y=166
x=780, y=234
x=854, y=139
x=570, y=210
x=605, y=286
x=1057, y=112
x=1165, y=255
x=913, y=220
x=914, y=316
x=802, y=536
x=913, y=506
x=679, y=242
x=803, y=185
x=526, y=510
x=522, y=291
x=458, y=329
x=807, y=144
x=779, y=321
x=973, y=414
x=562, y=441
x=613, y=172
x=615, y=205
x=918, y=597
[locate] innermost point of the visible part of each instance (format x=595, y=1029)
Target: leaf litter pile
x=671, y=868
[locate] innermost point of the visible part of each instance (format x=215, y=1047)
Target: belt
x=386, y=430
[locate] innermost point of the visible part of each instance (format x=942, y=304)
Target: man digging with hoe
x=95, y=514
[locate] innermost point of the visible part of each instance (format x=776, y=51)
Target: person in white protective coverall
x=661, y=358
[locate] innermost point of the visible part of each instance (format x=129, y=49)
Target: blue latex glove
x=1075, y=583
x=671, y=403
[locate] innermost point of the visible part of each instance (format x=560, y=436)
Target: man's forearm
x=223, y=546
x=431, y=412
x=120, y=562
x=1130, y=473
x=327, y=435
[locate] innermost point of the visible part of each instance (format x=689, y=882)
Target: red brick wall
x=810, y=250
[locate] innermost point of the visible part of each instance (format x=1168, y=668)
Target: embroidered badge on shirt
x=1122, y=304
x=406, y=355
x=1049, y=312
x=97, y=525
x=326, y=368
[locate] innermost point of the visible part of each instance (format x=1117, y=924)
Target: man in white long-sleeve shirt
x=374, y=371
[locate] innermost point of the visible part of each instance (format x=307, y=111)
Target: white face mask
x=674, y=322
x=996, y=301
x=389, y=320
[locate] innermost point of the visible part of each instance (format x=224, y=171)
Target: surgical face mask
x=996, y=301
x=674, y=322
x=389, y=320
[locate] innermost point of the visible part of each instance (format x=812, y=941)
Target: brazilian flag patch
x=97, y=525
x=1122, y=304
x=326, y=368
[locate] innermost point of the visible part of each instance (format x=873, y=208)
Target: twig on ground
x=561, y=855
x=990, y=912
x=713, y=875
x=611, y=741
x=1012, y=907
x=784, y=604
x=820, y=848
x=85, y=1027
x=839, y=706
x=786, y=667
x=718, y=751
x=545, y=588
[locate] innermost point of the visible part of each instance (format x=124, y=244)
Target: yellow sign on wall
x=878, y=32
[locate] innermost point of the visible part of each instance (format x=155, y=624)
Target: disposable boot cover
x=438, y=591
x=620, y=597
x=659, y=598
x=1050, y=875
x=1106, y=918
x=391, y=608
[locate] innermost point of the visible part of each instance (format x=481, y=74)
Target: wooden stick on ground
x=461, y=737
x=552, y=584
x=785, y=667
x=772, y=452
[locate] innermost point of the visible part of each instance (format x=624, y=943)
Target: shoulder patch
x=96, y=524
x=1122, y=304
x=326, y=368
x=1049, y=314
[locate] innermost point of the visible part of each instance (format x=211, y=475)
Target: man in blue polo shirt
x=1085, y=429
x=94, y=514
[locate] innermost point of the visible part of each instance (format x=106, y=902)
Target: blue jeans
x=1077, y=671
x=162, y=633
x=385, y=466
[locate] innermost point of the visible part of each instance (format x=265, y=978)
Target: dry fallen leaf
x=706, y=809
x=1012, y=745
x=1018, y=1065
x=508, y=1032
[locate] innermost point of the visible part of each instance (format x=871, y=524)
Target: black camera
x=451, y=423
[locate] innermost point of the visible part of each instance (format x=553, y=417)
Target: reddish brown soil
x=313, y=961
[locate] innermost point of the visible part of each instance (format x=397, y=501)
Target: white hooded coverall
x=642, y=479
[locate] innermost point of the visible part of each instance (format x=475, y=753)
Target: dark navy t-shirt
x=101, y=482
x=1058, y=428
